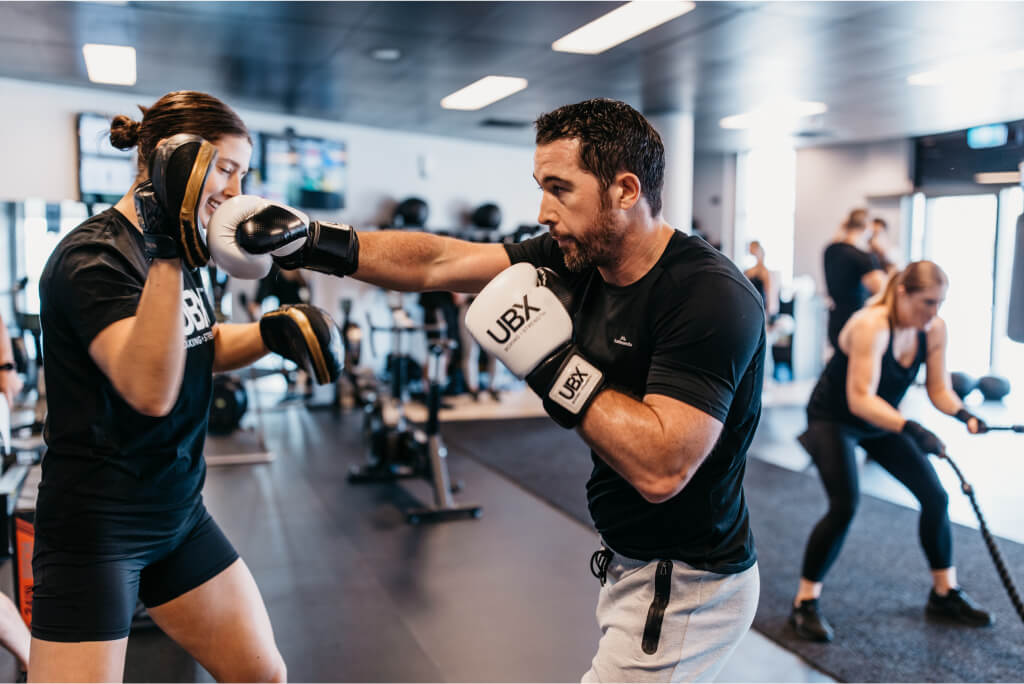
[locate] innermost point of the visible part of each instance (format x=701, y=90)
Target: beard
x=598, y=248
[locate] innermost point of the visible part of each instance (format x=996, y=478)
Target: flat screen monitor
x=104, y=172
x=308, y=173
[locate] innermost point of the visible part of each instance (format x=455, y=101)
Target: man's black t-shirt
x=845, y=265
x=105, y=462
x=691, y=329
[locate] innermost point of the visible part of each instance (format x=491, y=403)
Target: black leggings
x=832, y=445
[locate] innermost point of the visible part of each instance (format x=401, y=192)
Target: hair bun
x=124, y=132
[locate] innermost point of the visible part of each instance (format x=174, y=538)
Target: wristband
x=160, y=246
x=964, y=416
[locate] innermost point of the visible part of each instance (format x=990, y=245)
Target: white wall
x=38, y=139
x=832, y=180
x=714, y=196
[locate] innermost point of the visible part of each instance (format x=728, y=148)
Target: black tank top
x=828, y=401
x=760, y=287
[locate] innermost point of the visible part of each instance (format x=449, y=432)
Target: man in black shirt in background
x=676, y=332
x=852, y=273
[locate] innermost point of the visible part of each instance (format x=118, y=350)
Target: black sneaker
x=958, y=606
x=809, y=623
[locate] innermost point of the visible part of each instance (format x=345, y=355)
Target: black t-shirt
x=104, y=458
x=845, y=265
x=691, y=329
x=829, y=401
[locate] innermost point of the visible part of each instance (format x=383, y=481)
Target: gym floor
x=357, y=594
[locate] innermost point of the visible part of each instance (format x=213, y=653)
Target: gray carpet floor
x=875, y=594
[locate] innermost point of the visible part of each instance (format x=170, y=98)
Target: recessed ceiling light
x=114, y=64
x=481, y=93
x=775, y=115
x=620, y=25
x=386, y=54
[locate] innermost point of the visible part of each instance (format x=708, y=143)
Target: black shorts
x=91, y=596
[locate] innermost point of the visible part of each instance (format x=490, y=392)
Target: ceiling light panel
x=620, y=25
x=487, y=90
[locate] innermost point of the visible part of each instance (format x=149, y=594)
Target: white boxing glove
x=222, y=242
x=520, y=319
x=516, y=321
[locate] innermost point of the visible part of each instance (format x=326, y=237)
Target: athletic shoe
x=958, y=606
x=809, y=623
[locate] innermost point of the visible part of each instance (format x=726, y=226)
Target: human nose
x=546, y=215
x=234, y=186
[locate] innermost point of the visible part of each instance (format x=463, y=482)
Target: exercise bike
x=396, y=450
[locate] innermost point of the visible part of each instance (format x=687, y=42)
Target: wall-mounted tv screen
x=104, y=172
x=309, y=173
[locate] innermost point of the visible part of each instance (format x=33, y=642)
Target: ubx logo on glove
x=572, y=387
x=511, y=321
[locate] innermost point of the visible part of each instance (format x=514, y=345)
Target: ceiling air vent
x=504, y=123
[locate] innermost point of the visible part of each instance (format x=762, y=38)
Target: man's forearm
x=397, y=260
x=421, y=262
x=630, y=436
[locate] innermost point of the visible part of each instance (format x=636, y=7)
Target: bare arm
x=656, y=445
x=236, y=345
x=940, y=391
x=144, y=355
x=421, y=262
x=10, y=382
x=867, y=339
x=875, y=280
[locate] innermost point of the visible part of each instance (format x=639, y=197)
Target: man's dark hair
x=613, y=137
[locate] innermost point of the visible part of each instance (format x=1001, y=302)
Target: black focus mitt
x=306, y=335
x=177, y=173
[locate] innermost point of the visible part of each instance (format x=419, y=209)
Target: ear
x=626, y=191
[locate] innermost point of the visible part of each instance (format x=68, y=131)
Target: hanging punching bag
x=1015, y=319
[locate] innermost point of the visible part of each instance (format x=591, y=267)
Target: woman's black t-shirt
x=106, y=463
x=692, y=329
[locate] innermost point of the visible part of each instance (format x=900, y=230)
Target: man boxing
x=646, y=341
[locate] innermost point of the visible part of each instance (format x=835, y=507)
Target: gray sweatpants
x=705, y=616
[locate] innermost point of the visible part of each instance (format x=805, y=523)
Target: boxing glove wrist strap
x=567, y=383
x=160, y=246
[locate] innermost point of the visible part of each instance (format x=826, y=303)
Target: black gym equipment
x=395, y=450
x=487, y=216
x=963, y=384
x=411, y=213
x=990, y=542
x=1014, y=428
x=993, y=387
x=31, y=369
x=228, y=405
